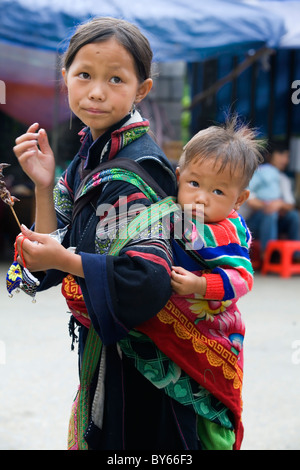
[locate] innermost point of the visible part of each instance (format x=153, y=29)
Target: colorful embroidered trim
x=80, y=410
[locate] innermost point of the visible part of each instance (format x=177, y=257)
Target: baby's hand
x=184, y=282
x=36, y=157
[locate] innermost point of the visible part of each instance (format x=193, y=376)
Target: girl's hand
x=184, y=282
x=36, y=157
x=46, y=254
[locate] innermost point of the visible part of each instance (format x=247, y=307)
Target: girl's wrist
x=45, y=217
x=71, y=263
x=44, y=191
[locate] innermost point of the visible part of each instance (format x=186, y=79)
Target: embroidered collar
x=111, y=142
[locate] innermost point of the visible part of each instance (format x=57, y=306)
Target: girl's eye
x=194, y=184
x=84, y=75
x=115, y=80
x=218, y=192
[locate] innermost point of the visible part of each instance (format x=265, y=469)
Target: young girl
x=107, y=73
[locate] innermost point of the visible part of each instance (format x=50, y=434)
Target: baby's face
x=210, y=194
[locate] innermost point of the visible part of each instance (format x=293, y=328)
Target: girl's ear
x=241, y=199
x=177, y=172
x=143, y=90
x=64, y=74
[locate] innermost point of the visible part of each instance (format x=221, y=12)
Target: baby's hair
x=233, y=143
x=105, y=28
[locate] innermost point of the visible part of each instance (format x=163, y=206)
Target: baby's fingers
x=179, y=270
x=176, y=277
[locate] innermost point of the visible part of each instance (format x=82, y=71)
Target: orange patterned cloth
x=73, y=295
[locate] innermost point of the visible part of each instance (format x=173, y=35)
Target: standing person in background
x=271, y=206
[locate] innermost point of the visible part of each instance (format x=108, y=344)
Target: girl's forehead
x=110, y=46
x=109, y=53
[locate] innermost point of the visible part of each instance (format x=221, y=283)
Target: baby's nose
x=201, y=197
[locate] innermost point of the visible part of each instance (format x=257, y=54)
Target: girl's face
x=211, y=195
x=103, y=85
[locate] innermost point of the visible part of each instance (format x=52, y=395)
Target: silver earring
x=132, y=110
x=70, y=121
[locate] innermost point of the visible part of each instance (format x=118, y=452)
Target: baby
x=213, y=175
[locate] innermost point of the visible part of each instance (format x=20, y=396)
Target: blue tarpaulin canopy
x=32, y=32
x=177, y=29
x=289, y=11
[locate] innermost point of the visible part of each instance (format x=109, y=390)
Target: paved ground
x=38, y=372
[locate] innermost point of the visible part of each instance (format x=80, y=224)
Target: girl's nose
x=97, y=92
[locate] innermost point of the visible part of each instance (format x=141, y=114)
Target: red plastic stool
x=285, y=267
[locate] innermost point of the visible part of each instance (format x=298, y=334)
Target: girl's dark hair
x=234, y=144
x=127, y=34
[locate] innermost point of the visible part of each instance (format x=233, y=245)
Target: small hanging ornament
x=14, y=278
x=19, y=277
x=30, y=283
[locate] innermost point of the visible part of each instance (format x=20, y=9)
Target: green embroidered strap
x=149, y=216
x=90, y=358
x=88, y=367
x=122, y=169
x=119, y=174
x=80, y=411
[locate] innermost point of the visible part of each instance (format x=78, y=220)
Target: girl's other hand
x=41, y=252
x=38, y=251
x=36, y=157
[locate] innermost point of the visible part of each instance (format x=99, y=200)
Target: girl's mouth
x=95, y=111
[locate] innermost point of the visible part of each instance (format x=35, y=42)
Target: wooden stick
x=5, y=195
x=15, y=216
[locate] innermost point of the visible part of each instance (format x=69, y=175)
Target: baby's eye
x=115, y=80
x=194, y=184
x=84, y=75
x=218, y=192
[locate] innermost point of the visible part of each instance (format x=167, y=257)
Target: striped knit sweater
x=226, y=251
